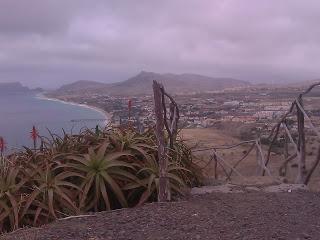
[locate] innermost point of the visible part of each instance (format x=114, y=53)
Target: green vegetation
x=92, y=171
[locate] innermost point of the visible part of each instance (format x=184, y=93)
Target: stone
x=286, y=188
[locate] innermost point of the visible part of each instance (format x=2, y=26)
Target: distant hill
x=14, y=87
x=176, y=83
x=81, y=86
x=142, y=84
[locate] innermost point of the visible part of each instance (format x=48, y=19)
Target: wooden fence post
x=215, y=166
x=260, y=169
x=164, y=191
x=313, y=167
x=283, y=168
x=301, y=144
x=286, y=147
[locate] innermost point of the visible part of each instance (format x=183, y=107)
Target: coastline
x=106, y=115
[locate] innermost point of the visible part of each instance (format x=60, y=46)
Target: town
x=251, y=110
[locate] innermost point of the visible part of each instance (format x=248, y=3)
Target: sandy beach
x=105, y=114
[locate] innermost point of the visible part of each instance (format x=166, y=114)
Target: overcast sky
x=50, y=42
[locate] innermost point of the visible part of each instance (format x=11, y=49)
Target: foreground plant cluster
x=88, y=172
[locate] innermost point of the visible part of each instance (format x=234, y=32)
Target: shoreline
x=106, y=115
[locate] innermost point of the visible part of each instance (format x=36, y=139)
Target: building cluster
x=262, y=107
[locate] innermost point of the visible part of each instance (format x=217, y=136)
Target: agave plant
x=141, y=146
x=27, y=155
x=60, y=144
x=52, y=195
x=182, y=155
x=11, y=181
x=148, y=185
x=90, y=171
x=104, y=173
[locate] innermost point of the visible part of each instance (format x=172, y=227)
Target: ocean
x=19, y=112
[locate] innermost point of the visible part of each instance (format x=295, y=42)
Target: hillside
x=142, y=84
x=81, y=86
x=176, y=83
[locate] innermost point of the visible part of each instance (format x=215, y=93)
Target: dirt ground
x=208, y=137
x=294, y=215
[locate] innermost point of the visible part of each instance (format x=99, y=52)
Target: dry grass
x=204, y=138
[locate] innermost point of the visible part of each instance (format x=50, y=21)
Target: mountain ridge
x=142, y=84
x=81, y=84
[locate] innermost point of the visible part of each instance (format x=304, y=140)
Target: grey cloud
x=30, y=17
x=49, y=42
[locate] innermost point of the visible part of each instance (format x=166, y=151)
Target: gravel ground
x=253, y=215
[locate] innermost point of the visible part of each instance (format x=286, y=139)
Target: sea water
x=20, y=112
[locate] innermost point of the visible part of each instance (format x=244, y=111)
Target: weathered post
x=283, y=169
x=286, y=147
x=164, y=191
x=313, y=167
x=301, y=144
x=215, y=166
x=173, y=128
x=260, y=170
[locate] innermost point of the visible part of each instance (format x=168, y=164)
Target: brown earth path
x=253, y=215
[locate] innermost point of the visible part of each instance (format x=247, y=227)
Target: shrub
x=90, y=171
x=11, y=197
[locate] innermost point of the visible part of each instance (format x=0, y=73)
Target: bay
x=19, y=112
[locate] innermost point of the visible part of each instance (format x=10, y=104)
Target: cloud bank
x=48, y=42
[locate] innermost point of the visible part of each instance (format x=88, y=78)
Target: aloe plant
x=149, y=180
x=52, y=193
x=89, y=171
x=104, y=173
x=11, y=182
x=131, y=140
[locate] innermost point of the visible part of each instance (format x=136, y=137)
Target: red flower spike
x=129, y=104
x=129, y=108
x=2, y=145
x=34, y=133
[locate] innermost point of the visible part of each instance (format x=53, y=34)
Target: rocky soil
x=246, y=214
